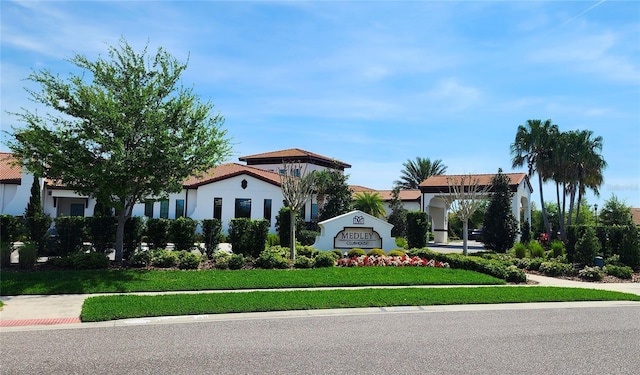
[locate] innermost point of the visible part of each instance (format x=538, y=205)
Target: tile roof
x=437, y=183
x=276, y=157
x=228, y=170
x=387, y=195
x=635, y=215
x=10, y=173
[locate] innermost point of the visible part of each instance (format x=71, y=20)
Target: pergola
x=434, y=188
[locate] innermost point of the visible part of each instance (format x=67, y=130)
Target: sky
x=372, y=84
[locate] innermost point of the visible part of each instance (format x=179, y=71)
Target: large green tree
x=398, y=216
x=532, y=146
x=122, y=130
x=615, y=212
x=337, y=196
x=416, y=171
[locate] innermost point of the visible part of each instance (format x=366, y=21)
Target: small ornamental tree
x=500, y=226
x=36, y=222
x=370, y=203
x=337, y=196
x=297, y=188
x=464, y=198
x=212, y=235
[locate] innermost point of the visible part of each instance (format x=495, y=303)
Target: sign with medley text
x=364, y=238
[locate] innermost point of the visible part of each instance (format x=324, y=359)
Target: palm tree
x=532, y=146
x=416, y=171
x=588, y=165
x=370, y=203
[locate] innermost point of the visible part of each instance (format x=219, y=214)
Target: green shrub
x=307, y=251
x=270, y=260
x=283, y=221
x=493, y=267
x=158, y=233
x=222, y=263
x=188, y=260
x=630, y=247
x=71, y=233
x=27, y=255
x=515, y=275
x=556, y=269
x=622, y=272
x=182, y=232
x=557, y=248
x=417, y=228
x=587, y=247
x=236, y=261
x=61, y=262
x=140, y=259
x=401, y=242
x=102, y=232
x=355, y=252
x=5, y=254
x=211, y=235
x=273, y=239
x=248, y=237
x=590, y=273
x=307, y=237
x=376, y=252
x=303, y=262
x=338, y=253
x=90, y=261
x=396, y=253
x=164, y=258
x=535, y=249
x=133, y=230
x=534, y=264
x=11, y=228
x=614, y=260
x=325, y=259
x=520, y=250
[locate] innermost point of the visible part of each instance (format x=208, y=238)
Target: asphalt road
x=580, y=340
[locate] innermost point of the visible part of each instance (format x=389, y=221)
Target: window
x=164, y=209
x=282, y=171
x=267, y=210
x=243, y=207
x=314, y=211
x=148, y=208
x=76, y=209
x=303, y=212
x=179, y=208
x=296, y=172
x=217, y=208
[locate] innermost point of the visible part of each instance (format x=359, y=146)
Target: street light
x=595, y=207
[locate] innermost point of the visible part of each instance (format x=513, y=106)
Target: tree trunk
x=292, y=233
x=122, y=218
x=545, y=219
x=560, y=212
x=465, y=236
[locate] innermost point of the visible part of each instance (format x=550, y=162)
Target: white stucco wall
x=14, y=198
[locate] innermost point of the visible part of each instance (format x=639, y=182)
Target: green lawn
x=122, y=281
x=103, y=308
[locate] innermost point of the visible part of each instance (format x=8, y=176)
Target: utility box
x=599, y=262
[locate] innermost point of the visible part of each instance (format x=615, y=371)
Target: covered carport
x=435, y=188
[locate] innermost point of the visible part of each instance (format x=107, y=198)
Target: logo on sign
x=358, y=220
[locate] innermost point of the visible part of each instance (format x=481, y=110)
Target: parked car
x=475, y=234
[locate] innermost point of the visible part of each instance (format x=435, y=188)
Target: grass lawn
x=122, y=281
x=103, y=308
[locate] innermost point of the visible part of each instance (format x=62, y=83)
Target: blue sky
x=371, y=83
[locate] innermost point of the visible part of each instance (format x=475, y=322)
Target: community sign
x=355, y=229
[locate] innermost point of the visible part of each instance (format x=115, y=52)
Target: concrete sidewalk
x=37, y=310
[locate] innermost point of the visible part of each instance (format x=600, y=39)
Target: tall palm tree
x=370, y=203
x=416, y=171
x=532, y=146
x=589, y=165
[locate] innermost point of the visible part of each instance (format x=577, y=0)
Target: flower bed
x=390, y=261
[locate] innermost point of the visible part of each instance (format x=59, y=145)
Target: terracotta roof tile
x=436, y=182
x=10, y=173
x=291, y=154
x=387, y=195
x=635, y=215
x=228, y=170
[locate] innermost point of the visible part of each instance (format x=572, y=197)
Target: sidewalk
x=30, y=310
